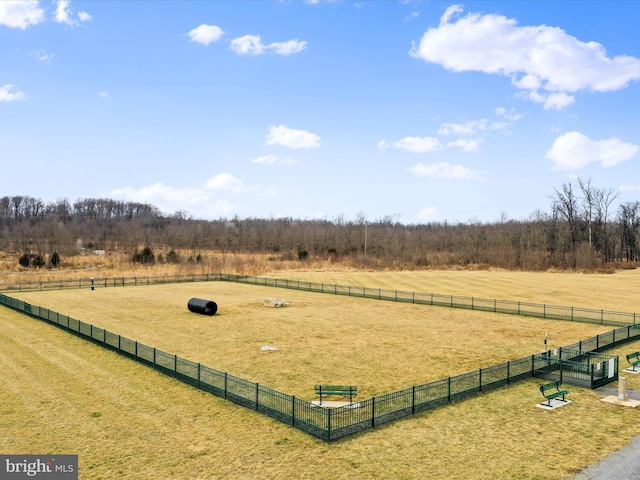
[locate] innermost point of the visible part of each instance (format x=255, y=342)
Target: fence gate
x=575, y=367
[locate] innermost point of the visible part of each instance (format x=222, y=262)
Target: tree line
x=583, y=229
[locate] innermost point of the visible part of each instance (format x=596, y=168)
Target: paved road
x=621, y=465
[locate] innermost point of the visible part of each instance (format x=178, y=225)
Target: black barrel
x=205, y=307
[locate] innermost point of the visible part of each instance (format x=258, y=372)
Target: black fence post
x=175, y=366
x=448, y=389
x=225, y=385
x=293, y=411
x=257, y=393
x=480, y=381
x=198, y=375
x=373, y=412
x=533, y=365
x=413, y=400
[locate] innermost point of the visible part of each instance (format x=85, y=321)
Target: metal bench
x=633, y=359
x=344, y=390
x=552, y=390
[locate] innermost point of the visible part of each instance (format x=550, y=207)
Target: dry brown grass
x=380, y=346
x=618, y=292
x=64, y=395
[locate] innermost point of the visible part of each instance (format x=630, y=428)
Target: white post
x=622, y=389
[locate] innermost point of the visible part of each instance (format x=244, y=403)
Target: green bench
x=633, y=359
x=343, y=390
x=552, y=390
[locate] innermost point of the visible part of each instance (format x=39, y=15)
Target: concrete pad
x=330, y=404
x=625, y=403
x=555, y=403
x=629, y=370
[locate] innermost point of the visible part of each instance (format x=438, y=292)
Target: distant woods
x=582, y=230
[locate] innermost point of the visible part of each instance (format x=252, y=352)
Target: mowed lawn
x=61, y=394
x=381, y=346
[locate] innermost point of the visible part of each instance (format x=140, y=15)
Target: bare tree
x=629, y=219
x=566, y=203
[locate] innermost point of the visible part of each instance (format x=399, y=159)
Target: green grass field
x=65, y=395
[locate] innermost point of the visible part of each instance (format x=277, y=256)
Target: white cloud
x=64, y=14
x=558, y=101
x=414, y=144
x=273, y=160
x=573, y=151
x=205, y=34
x=510, y=115
x=465, y=145
x=20, y=13
x=450, y=12
x=42, y=55
x=248, y=45
x=103, y=94
x=445, y=171
x=170, y=199
x=546, y=63
x=7, y=93
x=428, y=214
x=252, y=45
x=224, y=181
x=464, y=129
x=287, y=48
x=412, y=16
x=475, y=127
x=289, y=137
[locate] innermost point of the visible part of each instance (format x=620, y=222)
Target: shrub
x=24, y=260
x=38, y=260
x=146, y=256
x=55, y=260
x=173, y=257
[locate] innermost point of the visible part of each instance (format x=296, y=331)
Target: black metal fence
x=587, y=369
x=552, y=312
x=332, y=424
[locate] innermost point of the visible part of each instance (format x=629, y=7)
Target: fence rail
x=551, y=312
x=332, y=424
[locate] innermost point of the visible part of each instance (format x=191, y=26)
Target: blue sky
x=418, y=111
